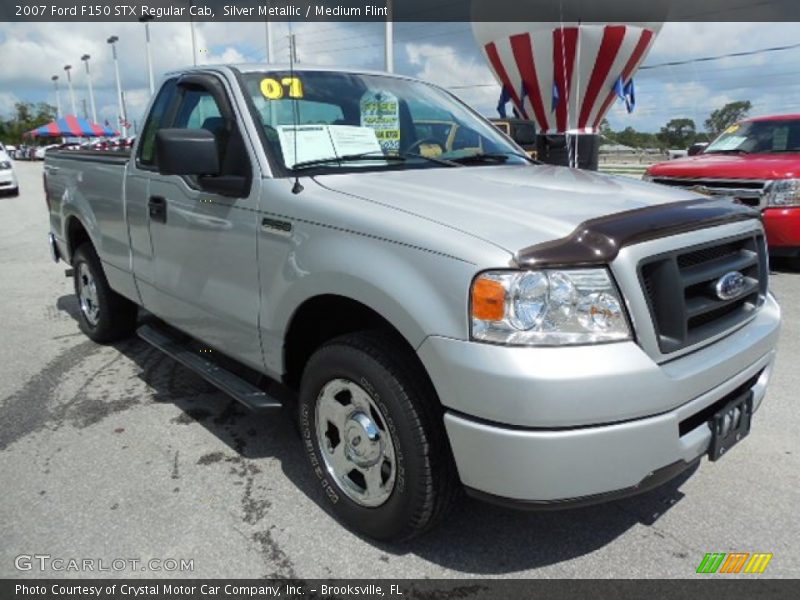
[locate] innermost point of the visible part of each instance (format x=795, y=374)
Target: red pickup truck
x=757, y=162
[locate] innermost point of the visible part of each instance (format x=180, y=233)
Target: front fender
x=419, y=292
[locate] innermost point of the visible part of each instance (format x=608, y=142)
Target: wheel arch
x=326, y=316
x=75, y=234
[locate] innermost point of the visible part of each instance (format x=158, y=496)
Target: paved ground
x=117, y=452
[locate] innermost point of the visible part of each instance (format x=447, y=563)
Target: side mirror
x=696, y=149
x=187, y=152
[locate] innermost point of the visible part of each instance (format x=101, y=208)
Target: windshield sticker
x=316, y=142
x=348, y=139
x=380, y=111
x=733, y=128
x=274, y=89
x=729, y=143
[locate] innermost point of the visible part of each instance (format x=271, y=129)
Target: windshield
x=758, y=137
x=343, y=122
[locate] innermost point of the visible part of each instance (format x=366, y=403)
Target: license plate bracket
x=730, y=425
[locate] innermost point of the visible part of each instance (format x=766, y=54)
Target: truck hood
x=730, y=166
x=510, y=206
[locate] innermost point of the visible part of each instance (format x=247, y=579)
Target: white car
x=8, y=178
x=39, y=152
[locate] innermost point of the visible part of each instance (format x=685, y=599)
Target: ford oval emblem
x=730, y=285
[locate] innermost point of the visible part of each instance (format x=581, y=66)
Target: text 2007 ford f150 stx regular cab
x=444, y=318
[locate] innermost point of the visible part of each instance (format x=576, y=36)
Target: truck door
x=137, y=187
x=204, y=243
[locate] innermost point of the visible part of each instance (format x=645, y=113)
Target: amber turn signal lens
x=488, y=300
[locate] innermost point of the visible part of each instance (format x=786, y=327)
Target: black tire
x=15, y=192
x=426, y=482
x=116, y=315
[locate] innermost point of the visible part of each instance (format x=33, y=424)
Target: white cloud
x=444, y=53
x=447, y=67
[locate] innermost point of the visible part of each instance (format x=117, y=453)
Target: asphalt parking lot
x=117, y=452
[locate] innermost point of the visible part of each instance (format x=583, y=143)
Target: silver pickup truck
x=441, y=312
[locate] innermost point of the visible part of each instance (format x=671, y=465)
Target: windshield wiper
x=306, y=164
x=486, y=157
x=728, y=151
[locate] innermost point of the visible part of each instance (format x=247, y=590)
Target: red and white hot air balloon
x=564, y=75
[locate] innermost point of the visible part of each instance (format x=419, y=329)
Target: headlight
x=4, y=165
x=783, y=192
x=547, y=308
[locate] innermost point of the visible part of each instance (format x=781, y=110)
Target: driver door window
x=198, y=109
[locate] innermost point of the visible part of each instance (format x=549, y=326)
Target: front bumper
x=783, y=230
x=542, y=425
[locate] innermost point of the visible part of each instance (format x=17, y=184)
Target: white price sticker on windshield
x=303, y=143
x=729, y=143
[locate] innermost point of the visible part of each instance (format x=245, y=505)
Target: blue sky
x=444, y=53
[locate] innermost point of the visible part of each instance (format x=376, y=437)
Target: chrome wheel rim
x=87, y=294
x=355, y=443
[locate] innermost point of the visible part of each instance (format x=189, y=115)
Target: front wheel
x=372, y=430
x=104, y=315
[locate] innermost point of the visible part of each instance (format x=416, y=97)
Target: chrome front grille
x=681, y=289
x=746, y=191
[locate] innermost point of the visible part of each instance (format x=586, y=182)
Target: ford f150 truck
x=462, y=318
x=757, y=162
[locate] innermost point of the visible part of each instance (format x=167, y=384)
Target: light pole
x=122, y=119
x=194, y=36
x=268, y=33
x=68, y=68
x=146, y=20
x=85, y=58
x=54, y=79
x=389, y=38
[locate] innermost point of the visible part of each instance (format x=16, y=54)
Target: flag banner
x=626, y=92
x=555, y=99
x=505, y=96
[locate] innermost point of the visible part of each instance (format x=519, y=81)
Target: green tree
x=606, y=131
x=627, y=137
x=678, y=133
x=724, y=117
x=635, y=139
x=26, y=116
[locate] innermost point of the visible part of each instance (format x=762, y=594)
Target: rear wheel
x=372, y=429
x=104, y=315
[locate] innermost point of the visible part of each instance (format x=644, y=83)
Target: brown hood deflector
x=598, y=241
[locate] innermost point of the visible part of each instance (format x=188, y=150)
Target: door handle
x=157, y=208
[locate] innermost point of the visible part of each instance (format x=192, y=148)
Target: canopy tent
x=72, y=126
